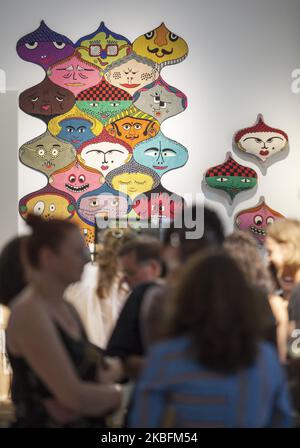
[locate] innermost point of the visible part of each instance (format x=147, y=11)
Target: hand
x=112, y=371
x=60, y=413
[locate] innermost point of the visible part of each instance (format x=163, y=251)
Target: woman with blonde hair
x=242, y=247
x=101, y=293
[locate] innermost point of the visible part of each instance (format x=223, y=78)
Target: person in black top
x=56, y=370
x=141, y=264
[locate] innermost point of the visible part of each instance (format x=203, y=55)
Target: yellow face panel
x=161, y=46
x=49, y=206
x=132, y=184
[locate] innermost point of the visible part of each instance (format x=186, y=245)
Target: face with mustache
x=133, y=130
x=161, y=46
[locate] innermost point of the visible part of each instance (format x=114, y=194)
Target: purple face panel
x=44, y=46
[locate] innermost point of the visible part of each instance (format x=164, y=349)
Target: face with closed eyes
x=105, y=205
x=46, y=100
x=132, y=75
x=103, y=110
x=75, y=131
x=74, y=74
x=160, y=154
x=132, y=184
x=105, y=156
x=262, y=144
x=47, y=154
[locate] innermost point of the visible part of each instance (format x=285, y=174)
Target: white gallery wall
x=241, y=57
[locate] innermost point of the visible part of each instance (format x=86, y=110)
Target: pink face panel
x=157, y=205
x=76, y=180
x=74, y=74
x=256, y=220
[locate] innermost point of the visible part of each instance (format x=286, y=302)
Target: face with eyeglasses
x=132, y=75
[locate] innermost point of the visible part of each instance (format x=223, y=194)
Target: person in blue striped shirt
x=214, y=370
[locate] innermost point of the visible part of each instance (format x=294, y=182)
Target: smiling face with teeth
x=76, y=180
x=256, y=220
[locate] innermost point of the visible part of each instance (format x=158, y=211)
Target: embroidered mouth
x=130, y=86
x=74, y=84
x=132, y=137
x=75, y=189
x=48, y=165
x=264, y=153
x=159, y=167
x=46, y=107
x=259, y=232
x=104, y=167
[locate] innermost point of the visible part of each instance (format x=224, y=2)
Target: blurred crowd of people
x=169, y=333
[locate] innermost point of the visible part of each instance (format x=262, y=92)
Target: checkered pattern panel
x=103, y=92
x=231, y=168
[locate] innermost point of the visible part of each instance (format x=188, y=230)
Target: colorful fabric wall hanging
x=93, y=127
x=231, y=177
x=261, y=140
x=257, y=219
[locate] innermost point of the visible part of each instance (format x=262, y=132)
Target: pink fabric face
x=76, y=180
x=257, y=219
x=74, y=74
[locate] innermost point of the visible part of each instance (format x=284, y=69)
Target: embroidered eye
x=126, y=127
x=81, y=130
x=169, y=153
x=245, y=181
x=39, y=208
x=41, y=152
x=173, y=37
x=156, y=98
x=149, y=35
x=222, y=179
x=270, y=220
x=34, y=100
x=52, y=208
x=151, y=152
x=72, y=178
x=112, y=50
x=70, y=68
x=94, y=203
x=162, y=104
x=54, y=152
x=31, y=45
x=94, y=104
x=115, y=203
x=81, y=178
x=258, y=220
x=59, y=98
x=137, y=126
x=70, y=129
x=115, y=104
x=59, y=45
